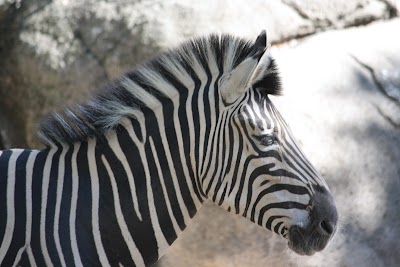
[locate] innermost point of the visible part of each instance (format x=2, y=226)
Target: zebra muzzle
x=321, y=228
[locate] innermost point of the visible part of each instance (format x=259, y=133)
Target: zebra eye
x=267, y=140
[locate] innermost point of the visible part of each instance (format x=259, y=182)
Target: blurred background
x=340, y=63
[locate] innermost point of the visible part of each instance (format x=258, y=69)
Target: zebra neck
x=147, y=187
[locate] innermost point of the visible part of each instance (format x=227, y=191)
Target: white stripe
x=29, y=173
x=224, y=137
x=74, y=200
x=28, y=192
x=140, y=93
x=60, y=184
x=94, y=179
x=133, y=250
x=174, y=177
x=160, y=175
x=160, y=238
x=171, y=166
x=10, y=204
x=45, y=188
x=115, y=146
x=240, y=170
x=218, y=161
x=181, y=74
x=195, y=66
x=212, y=129
x=188, y=82
x=31, y=258
x=200, y=72
x=158, y=82
x=18, y=256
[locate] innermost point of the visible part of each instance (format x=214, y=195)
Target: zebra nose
x=326, y=227
x=324, y=213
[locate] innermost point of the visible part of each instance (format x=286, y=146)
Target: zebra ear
x=235, y=83
x=261, y=69
x=266, y=76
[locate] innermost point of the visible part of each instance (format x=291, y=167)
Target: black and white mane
x=114, y=102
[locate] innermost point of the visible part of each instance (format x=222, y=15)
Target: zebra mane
x=147, y=86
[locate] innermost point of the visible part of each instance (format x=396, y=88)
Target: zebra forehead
x=146, y=86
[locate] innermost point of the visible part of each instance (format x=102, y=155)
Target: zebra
x=124, y=172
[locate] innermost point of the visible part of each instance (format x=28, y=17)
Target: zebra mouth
x=306, y=242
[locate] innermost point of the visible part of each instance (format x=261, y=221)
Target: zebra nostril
x=326, y=227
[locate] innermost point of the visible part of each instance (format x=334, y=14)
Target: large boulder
x=341, y=99
x=53, y=53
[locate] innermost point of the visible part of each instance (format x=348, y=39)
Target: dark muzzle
x=322, y=226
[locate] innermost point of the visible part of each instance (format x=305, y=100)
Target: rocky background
x=340, y=62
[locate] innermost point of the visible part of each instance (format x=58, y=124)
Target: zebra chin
x=321, y=228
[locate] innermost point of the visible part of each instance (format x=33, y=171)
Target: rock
x=54, y=53
x=340, y=13
x=333, y=105
x=43, y=68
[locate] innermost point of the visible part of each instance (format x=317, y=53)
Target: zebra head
x=269, y=180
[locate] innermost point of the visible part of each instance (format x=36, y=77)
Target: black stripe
x=24, y=261
x=18, y=240
x=50, y=208
x=183, y=186
x=137, y=129
x=223, y=195
x=280, y=205
x=169, y=129
x=276, y=228
x=207, y=113
x=286, y=135
x=37, y=180
x=113, y=241
x=245, y=167
x=156, y=180
x=83, y=221
x=283, y=231
x=296, y=158
x=250, y=121
x=271, y=219
x=185, y=129
x=261, y=170
x=65, y=210
x=294, y=189
x=168, y=110
x=141, y=231
x=231, y=140
x=222, y=155
x=196, y=119
x=216, y=151
x=171, y=135
x=230, y=146
x=172, y=139
x=237, y=164
x=214, y=137
x=4, y=159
